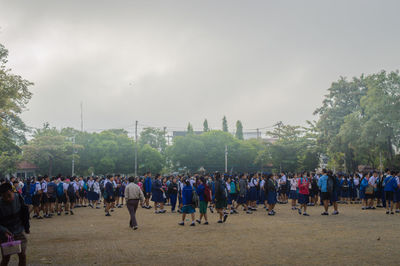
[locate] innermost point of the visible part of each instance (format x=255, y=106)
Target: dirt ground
x=354, y=237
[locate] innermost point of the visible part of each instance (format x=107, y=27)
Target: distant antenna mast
x=81, y=116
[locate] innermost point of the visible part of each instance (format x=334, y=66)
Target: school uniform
x=147, y=187
x=242, y=191
x=262, y=192
x=253, y=189
x=293, y=189
x=187, y=200
x=90, y=193
x=157, y=194
x=303, y=185
x=271, y=191
x=37, y=194
x=44, y=198
x=96, y=191
x=389, y=184
x=396, y=197
x=26, y=192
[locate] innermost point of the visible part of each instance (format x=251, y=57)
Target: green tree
x=205, y=126
x=154, y=137
x=224, y=124
x=239, y=130
x=190, y=128
x=14, y=95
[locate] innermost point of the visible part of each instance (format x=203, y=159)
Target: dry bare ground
x=354, y=237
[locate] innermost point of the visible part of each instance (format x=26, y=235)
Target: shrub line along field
x=354, y=237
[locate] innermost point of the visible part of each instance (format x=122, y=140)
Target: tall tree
x=205, y=126
x=154, y=137
x=14, y=95
x=190, y=128
x=224, y=124
x=239, y=130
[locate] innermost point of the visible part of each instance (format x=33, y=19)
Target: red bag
x=207, y=194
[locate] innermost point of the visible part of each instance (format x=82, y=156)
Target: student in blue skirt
x=157, y=194
x=270, y=189
x=303, y=185
x=293, y=190
x=187, y=208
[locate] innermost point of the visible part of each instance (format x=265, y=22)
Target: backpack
x=85, y=186
x=91, y=188
x=207, y=194
x=51, y=191
x=60, y=189
x=71, y=189
x=329, y=184
x=31, y=189
x=195, y=199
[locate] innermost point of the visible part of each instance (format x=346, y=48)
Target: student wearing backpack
x=204, y=197
x=173, y=193
x=51, y=194
x=187, y=196
x=71, y=194
x=242, y=200
x=61, y=196
x=221, y=196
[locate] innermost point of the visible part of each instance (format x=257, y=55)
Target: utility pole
x=136, y=147
x=81, y=116
x=258, y=133
x=226, y=158
x=73, y=155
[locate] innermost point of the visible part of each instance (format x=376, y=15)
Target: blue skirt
x=157, y=196
x=28, y=200
x=262, y=196
x=253, y=194
x=303, y=199
x=241, y=199
x=271, y=197
x=293, y=195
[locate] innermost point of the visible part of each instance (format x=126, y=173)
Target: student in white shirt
x=37, y=198
x=293, y=191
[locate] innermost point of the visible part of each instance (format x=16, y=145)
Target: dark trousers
x=173, y=197
x=132, y=205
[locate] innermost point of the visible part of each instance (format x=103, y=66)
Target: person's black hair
x=131, y=179
x=324, y=171
x=5, y=187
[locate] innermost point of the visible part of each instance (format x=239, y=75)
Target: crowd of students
x=226, y=194
x=49, y=196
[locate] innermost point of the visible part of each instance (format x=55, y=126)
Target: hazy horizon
x=167, y=63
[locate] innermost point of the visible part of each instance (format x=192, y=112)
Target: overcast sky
x=166, y=63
